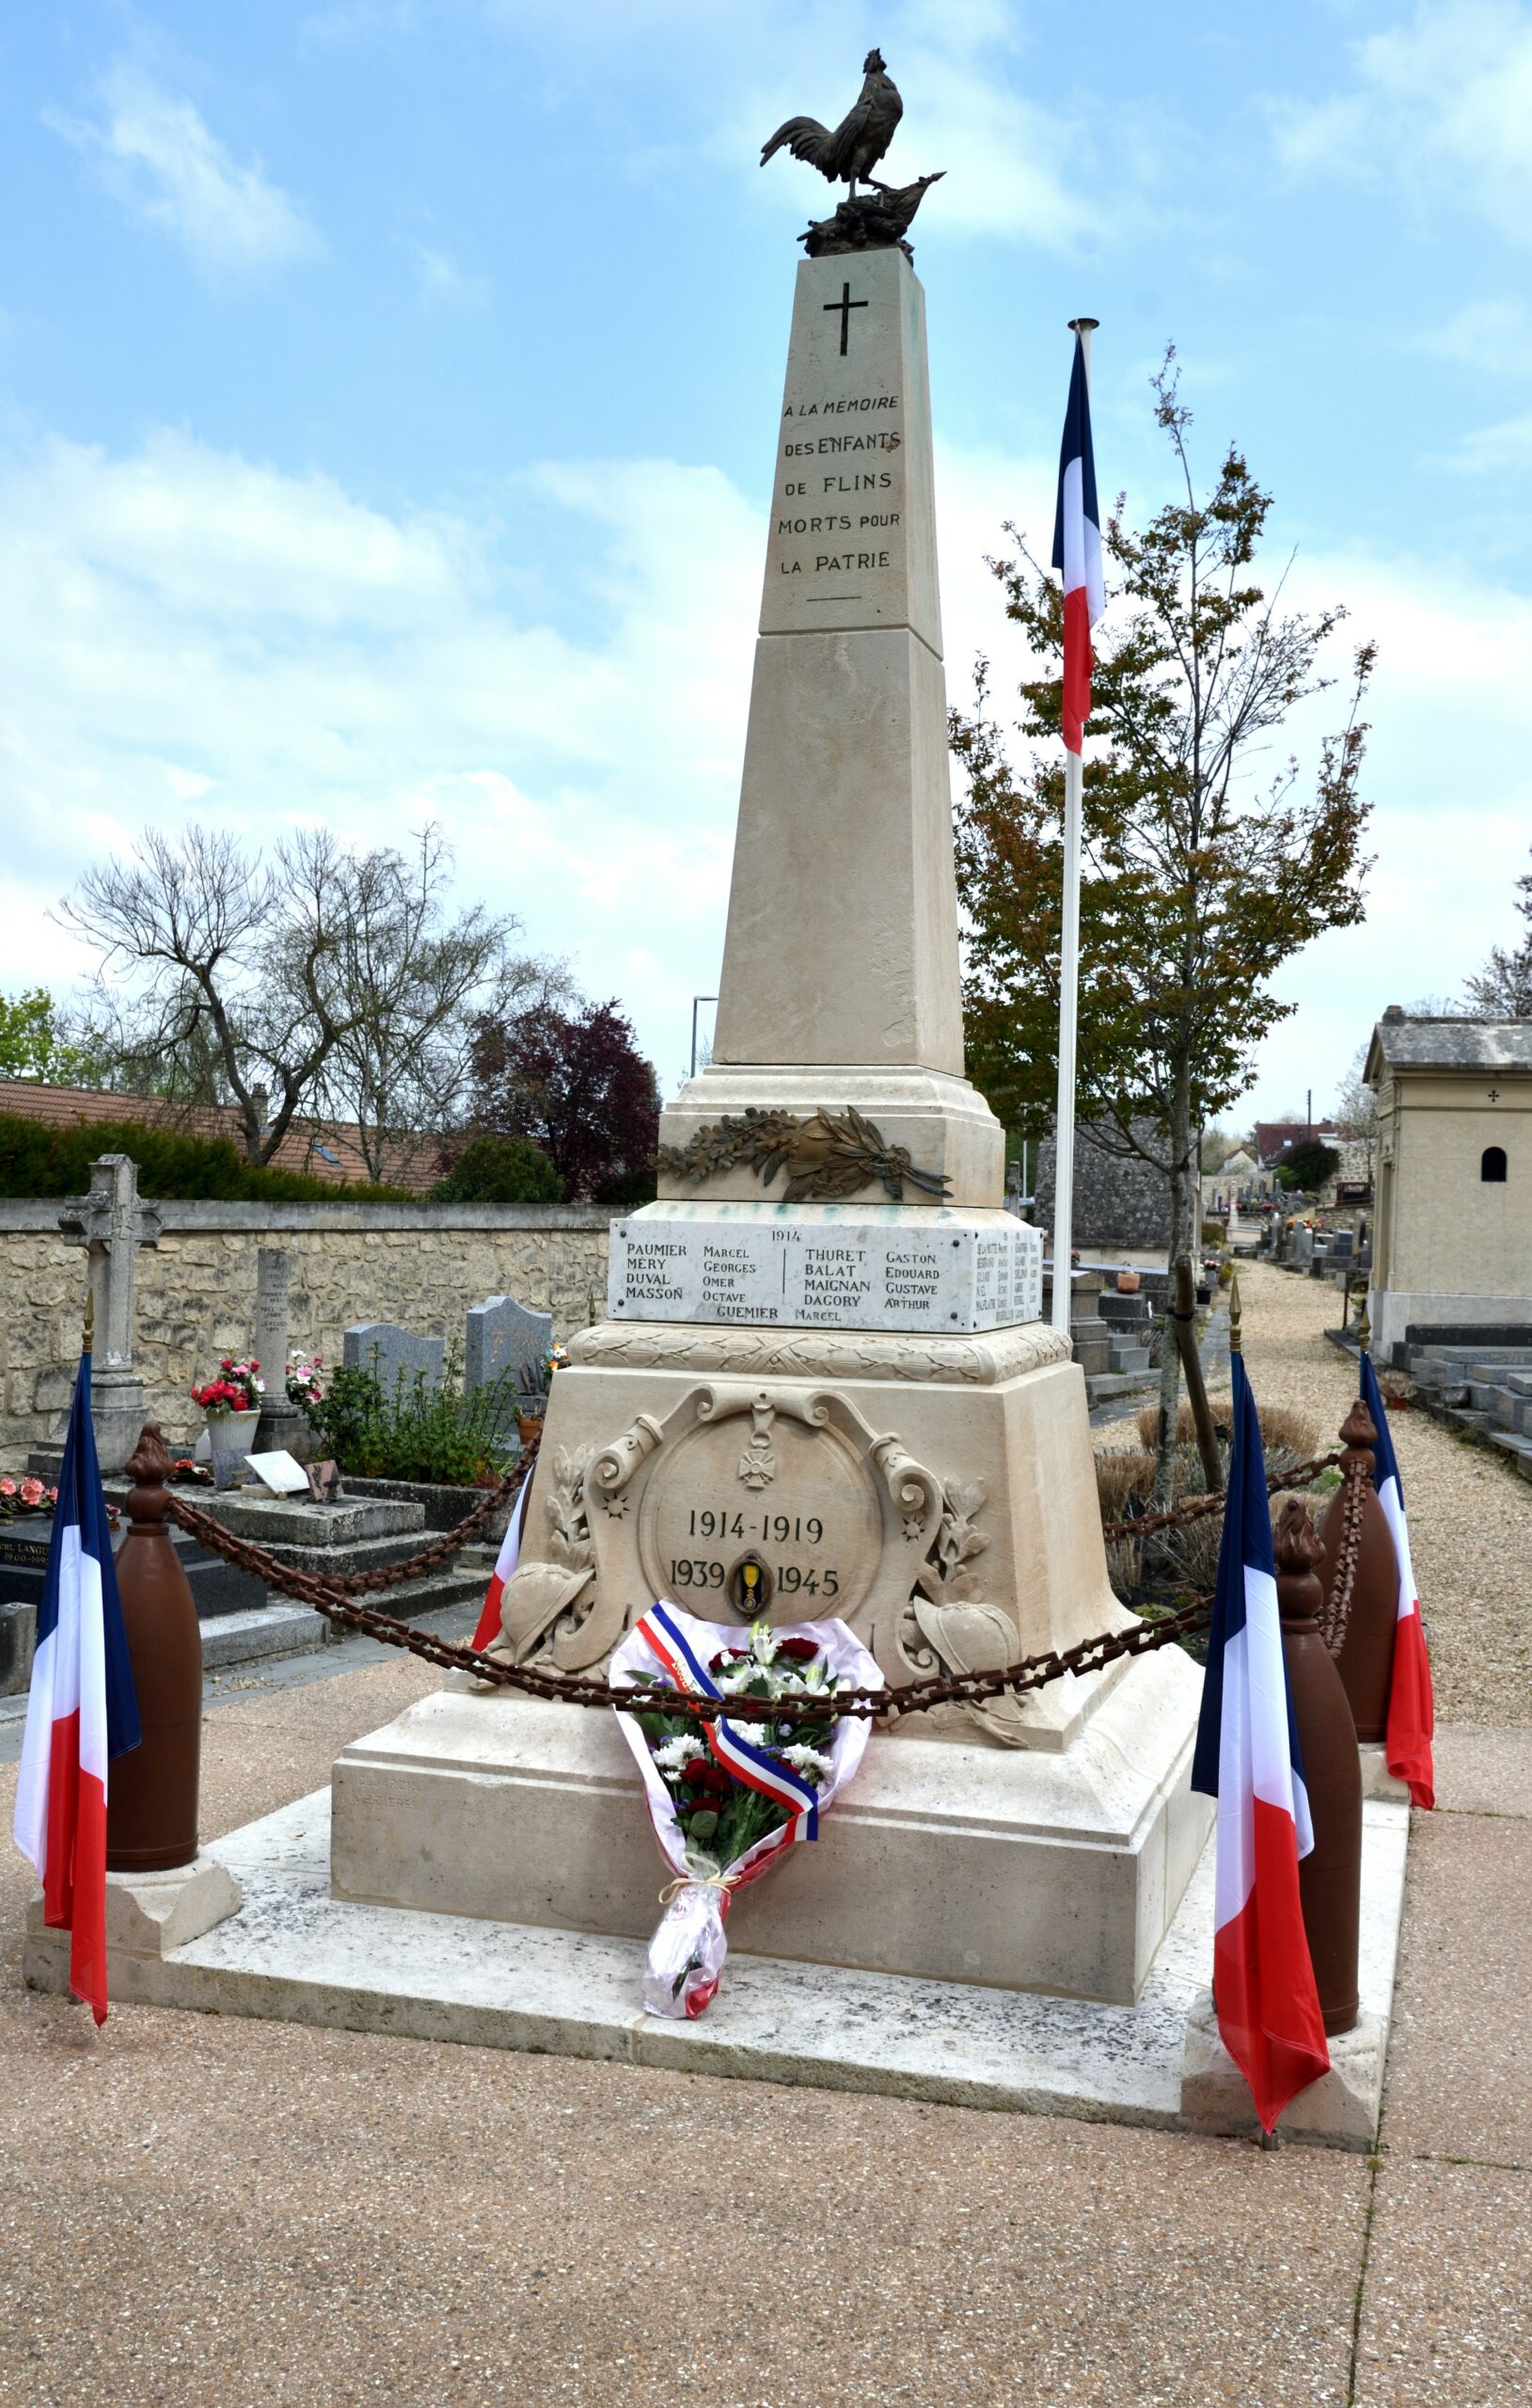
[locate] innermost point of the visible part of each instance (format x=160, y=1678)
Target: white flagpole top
x=1084, y=328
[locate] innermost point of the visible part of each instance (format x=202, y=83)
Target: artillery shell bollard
x=151, y=1797
x=1330, y=1877
x=160, y=1893
x=1364, y=1655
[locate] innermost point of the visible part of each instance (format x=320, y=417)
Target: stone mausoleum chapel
x=823, y=1383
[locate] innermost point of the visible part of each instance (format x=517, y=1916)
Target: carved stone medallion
x=799, y=1501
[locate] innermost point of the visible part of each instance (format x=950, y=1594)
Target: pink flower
x=8, y=1488
x=31, y=1492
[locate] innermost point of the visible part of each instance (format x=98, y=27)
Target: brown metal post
x=1181, y=1321
x=1365, y=1658
x=1330, y=1877
x=151, y=1793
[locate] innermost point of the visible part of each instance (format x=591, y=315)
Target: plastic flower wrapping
x=728, y=1798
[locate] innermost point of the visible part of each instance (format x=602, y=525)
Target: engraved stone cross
x=846, y=305
x=111, y=1223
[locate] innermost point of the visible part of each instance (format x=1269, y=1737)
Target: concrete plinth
x=148, y=1916
x=962, y=1863
x=297, y=1954
x=1340, y=2109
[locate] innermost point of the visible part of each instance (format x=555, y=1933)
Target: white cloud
x=155, y=154
x=191, y=634
x=1441, y=104
x=440, y=282
x=1491, y=338
x=1489, y=450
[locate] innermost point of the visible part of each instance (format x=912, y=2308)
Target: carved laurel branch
x=828, y=1156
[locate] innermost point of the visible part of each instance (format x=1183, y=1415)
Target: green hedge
x=37, y=1159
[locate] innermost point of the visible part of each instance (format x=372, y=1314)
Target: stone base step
x=295, y=1955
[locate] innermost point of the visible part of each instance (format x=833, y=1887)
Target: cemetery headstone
x=111, y=1223
x=392, y=1354
x=504, y=1336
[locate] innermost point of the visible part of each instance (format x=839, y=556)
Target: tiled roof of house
x=320, y=1150
x=1273, y=1137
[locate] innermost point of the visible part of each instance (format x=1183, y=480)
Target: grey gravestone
x=391, y=1353
x=1342, y=1245
x=502, y=1336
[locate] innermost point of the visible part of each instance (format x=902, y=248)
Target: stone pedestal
x=148, y=1915
x=960, y=1863
x=1340, y=2110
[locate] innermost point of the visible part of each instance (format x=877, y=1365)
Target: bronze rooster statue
x=858, y=142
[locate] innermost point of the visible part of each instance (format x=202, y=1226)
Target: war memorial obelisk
x=823, y=1356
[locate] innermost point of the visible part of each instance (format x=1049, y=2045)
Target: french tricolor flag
x=1247, y=1757
x=1412, y=1715
x=505, y=1564
x=1076, y=551
x=80, y=1713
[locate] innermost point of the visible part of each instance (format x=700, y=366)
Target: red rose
x=797, y=1651
x=716, y=1780
x=695, y=1774
x=725, y=1656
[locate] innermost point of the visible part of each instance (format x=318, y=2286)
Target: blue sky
x=387, y=393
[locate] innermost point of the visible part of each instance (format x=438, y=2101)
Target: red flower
x=797, y=1651
x=725, y=1656
x=695, y=1774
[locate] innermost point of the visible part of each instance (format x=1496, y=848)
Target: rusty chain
x=333, y=1598
x=1335, y=1613
x=910, y=1697
x=247, y=1556
x=1143, y=1526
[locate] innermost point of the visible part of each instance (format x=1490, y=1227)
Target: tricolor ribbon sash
x=687, y=1951
x=666, y=1639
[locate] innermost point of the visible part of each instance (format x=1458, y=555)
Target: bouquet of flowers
x=302, y=1371
x=25, y=1497
x=728, y=1798
x=236, y=1390
x=30, y=1497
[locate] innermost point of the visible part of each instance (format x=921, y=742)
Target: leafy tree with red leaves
x=576, y=1085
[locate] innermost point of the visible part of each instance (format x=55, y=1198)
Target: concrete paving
x=218, y=2211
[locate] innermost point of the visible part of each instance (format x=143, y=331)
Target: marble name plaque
x=854, y=1274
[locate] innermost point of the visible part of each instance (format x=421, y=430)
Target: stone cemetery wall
x=1119, y=1200
x=423, y=1266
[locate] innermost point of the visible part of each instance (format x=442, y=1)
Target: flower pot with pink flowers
x=231, y=1404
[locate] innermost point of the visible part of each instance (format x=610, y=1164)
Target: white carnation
x=675, y=1754
x=809, y=1761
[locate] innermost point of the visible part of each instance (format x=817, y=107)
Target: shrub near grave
x=425, y=1429
x=1185, y=1560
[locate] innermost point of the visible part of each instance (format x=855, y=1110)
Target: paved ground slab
x=1446, y=2317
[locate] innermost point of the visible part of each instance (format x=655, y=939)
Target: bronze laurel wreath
x=828, y=1158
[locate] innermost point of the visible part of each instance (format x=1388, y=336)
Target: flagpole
x=1064, y=1138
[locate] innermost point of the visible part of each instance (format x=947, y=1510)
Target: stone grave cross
x=111, y=1223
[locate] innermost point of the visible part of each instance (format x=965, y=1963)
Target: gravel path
x=1470, y=1516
